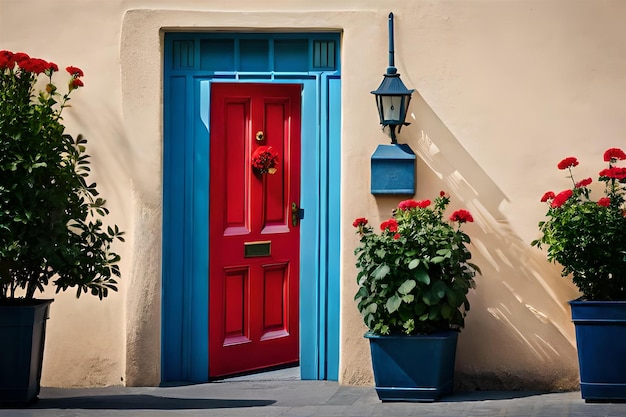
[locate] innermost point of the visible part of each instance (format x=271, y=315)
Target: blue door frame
x=192, y=62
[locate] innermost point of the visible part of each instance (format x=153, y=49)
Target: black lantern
x=392, y=96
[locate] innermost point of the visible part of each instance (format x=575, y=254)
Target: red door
x=254, y=238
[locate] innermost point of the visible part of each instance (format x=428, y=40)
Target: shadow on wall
x=111, y=150
x=133, y=180
x=518, y=333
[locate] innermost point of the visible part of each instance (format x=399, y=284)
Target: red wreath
x=265, y=160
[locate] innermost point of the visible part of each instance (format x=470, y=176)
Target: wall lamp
x=392, y=96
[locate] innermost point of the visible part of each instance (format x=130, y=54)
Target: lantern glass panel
x=392, y=108
x=406, y=106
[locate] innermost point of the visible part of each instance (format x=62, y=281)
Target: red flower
x=613, y=173
x=396, y=236
x=604, y=202
x=549, y=195
x=75, y=72
x=361, y=221
x=583, y=183
x=620, y=173
x=20, y=57
x=442, y=193
x=34, y=65
x=568, y=163
x=613, y=154
x=390, y=225
x=265, y=159
x=53, y=67
x=461, y=216
x=407, y=204
x=561, y=198
x=75, y=83
x=6, y=60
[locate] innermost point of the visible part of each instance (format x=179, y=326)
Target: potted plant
x=51, y=218
x=588, y=239
x=413, y=282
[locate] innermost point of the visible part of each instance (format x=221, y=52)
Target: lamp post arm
x=392, y=68
x=392, y=130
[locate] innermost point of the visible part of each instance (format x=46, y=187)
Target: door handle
x=297, y=214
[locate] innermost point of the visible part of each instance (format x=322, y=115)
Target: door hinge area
x=297, y=214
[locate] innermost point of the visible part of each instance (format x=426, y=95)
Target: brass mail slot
x=257, y=249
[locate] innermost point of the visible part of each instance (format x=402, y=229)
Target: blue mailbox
x=393, y=170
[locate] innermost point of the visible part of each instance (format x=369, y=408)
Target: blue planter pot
x=413, y=368
x=601, y=341
x=22, y=332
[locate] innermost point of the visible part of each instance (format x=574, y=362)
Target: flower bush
x=265, y=160
x=51, y=218
x=415, y=275
x=588, y=237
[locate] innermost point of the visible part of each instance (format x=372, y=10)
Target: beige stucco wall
x=504, y=90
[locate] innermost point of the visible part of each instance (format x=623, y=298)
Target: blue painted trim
x=173, y=203
x=196, y=38
x=309, y=234
x=322, y=154
x=185, y=219
x=333, y=228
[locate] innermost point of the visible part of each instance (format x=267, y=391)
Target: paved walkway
x=290, y=397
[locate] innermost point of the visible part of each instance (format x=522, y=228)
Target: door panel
x=254, y=247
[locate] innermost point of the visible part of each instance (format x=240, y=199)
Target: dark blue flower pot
x=413, y=368
x=22, y=332
x=601, y=341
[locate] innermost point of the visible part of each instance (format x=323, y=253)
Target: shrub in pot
x=51, y=217
x=587, y=238
x=413, y=282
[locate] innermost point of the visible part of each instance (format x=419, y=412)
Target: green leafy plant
x=415, y=275
x=587, y=237
x=51, y=218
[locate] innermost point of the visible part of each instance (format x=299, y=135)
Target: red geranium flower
x=75, y=83
x=6, y=59
x=396, y=236
x=20, y=57
x=407, y=204
x=561, y=198
x=583, y=183
x=390, y=225
x=617, y=173
x=614, y=154
x=568, y=163
x=461, y=216
x=549, y=195
x=620, y=173
x=75, y=72
x=34, y=65
x=604, y=202
x=361, y=221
